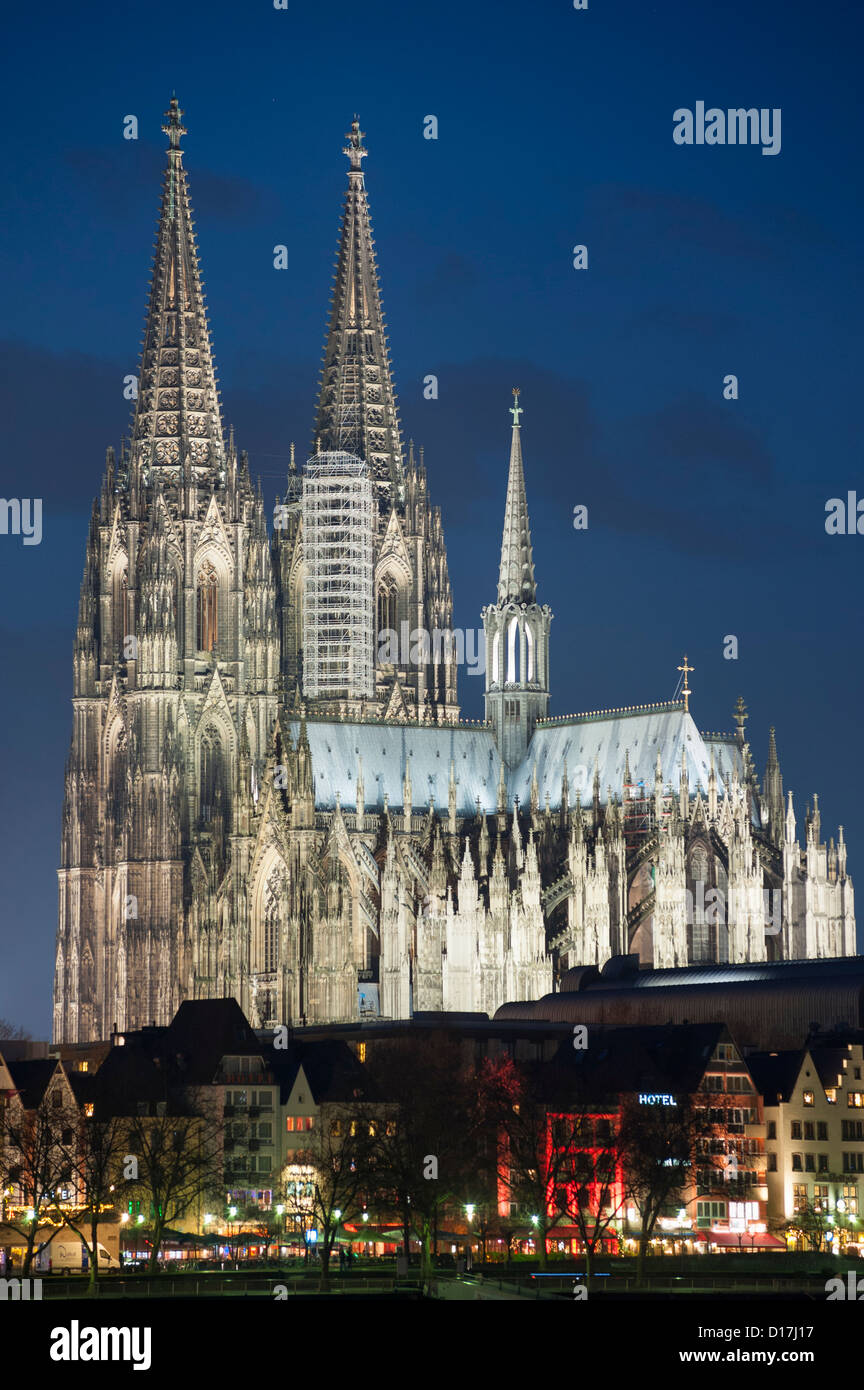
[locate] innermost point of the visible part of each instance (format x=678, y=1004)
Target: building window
x=831, y=1095
x=772, y=1163
x=809, y=1098
x=708, y=1212
x=850, y=1197
x=820, y=1196
x=799, y=1196
x=208, y=608
x=856, y=1099
x=361, y=1052
x=822, y=1130
x=772, y=1129
x=809, y=1131
x=853, y=1163
x=387, y=620
x=797, y=1164
x=211, y=771
x=823, y=1163
x=796, y=1129
x=810, y=1163
x=289, y=1124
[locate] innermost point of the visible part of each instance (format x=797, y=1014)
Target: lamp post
x=470, y=1209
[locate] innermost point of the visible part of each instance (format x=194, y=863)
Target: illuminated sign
x=646, y=1099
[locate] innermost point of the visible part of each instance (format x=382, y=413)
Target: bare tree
x=36, y=1156
x=179, y=1164
x=426, y=1151
x=658, y=1145
x=96, y=1165
x=12, y=1030
x=343, y=1155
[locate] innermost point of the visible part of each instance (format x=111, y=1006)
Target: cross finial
x=686, y=691
x=354, y=149
x=175, y=127
x=516, y=410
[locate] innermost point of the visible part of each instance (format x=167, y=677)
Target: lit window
x=361, y=1052
x=289, y=1123
x=809, y=1098
x=856, y=1099
x=88, y=1110
x=831, y=1095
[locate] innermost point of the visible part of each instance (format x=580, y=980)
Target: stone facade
x=225, y=836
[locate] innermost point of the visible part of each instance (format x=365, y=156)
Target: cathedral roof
x=357, y=403
x=582, y=740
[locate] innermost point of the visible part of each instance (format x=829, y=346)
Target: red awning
x=735, y=1240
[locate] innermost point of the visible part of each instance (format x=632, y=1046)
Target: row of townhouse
x=781, y=1136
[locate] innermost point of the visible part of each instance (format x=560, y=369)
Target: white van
x=70, y=1256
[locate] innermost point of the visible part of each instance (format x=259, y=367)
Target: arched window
x=270, y=923
x=496, y=657
x=211, y=771
x=512, y=633
x=208, y=608
x=120, y=608
x=387, y=598
x=529, y=638
x=700, y=914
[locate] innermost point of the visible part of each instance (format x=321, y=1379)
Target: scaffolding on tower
x=339, y=599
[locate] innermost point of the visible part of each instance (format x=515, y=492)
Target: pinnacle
x=516, y=582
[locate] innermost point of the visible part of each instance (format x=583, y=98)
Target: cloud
x=646, y=215
x=114, y=182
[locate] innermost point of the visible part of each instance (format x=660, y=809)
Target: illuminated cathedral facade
x=263, y=801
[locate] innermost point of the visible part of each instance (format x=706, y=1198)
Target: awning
x=740, y=1240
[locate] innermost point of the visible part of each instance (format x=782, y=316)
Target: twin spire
x=177, y=428
x=357, y=403
x=516, y=582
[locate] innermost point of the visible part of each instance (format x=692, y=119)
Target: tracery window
x=387, y=599
x=211, y=771
x=208, y=608
x=270, y=923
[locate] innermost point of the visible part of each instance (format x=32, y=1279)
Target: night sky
x=706, y=516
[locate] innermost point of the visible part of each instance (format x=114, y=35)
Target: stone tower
x=357, y=414
x=517, y=628
x=176, y=664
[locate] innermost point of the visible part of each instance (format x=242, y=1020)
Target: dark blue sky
x=706, y=517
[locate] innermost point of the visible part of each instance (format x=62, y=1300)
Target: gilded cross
x=686, y=691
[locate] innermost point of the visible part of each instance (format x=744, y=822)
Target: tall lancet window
x=270, y=924
x=512, y=635
x=211, y=772
x=208, y=608
x=121, y=609
x=386, y=606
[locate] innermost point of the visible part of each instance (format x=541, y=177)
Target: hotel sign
x=651, y=1099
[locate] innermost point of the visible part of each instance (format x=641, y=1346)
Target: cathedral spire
x=177, y=424
x=516, y=577
x=357, y=403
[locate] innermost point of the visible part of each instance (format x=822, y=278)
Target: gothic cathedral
x=270, y=794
